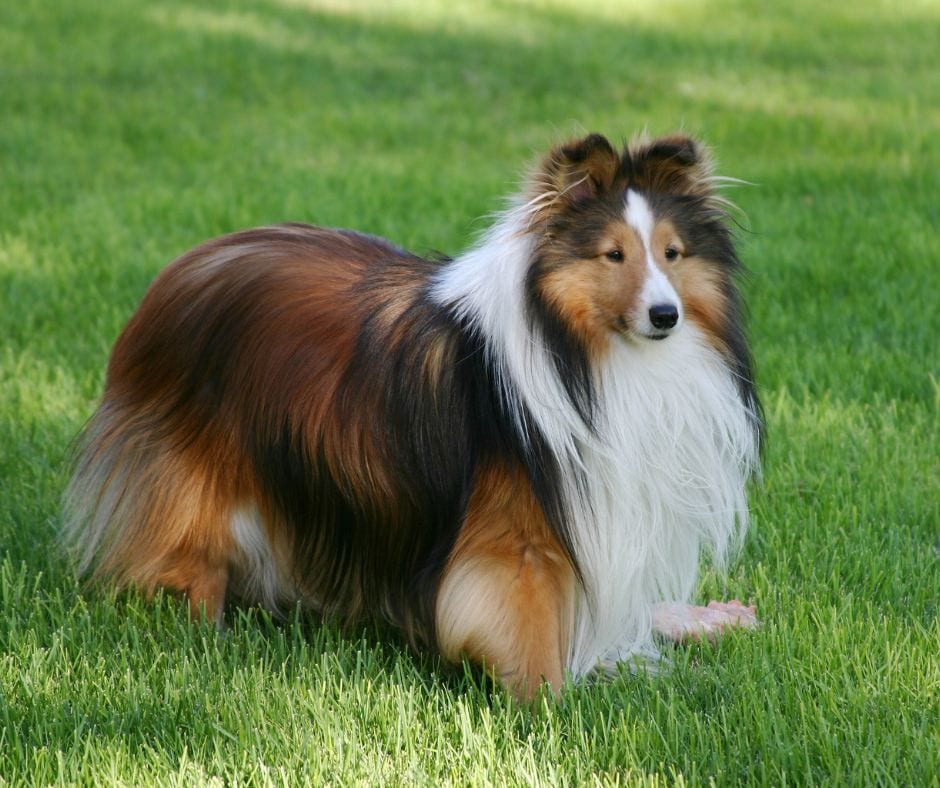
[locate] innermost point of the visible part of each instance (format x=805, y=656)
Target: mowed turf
x=129, y=131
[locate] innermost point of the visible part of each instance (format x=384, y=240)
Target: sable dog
x=517, y=455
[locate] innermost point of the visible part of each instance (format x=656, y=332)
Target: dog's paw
x=682, y=623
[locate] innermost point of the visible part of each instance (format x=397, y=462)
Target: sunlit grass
x=131, y=131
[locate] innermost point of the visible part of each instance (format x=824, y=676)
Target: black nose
x=664, y=316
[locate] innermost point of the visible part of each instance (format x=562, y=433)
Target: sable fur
x=297, y=413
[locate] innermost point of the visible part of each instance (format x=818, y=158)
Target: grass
x=133, y=130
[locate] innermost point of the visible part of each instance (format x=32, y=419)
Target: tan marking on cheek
x=596, y=297
x=572, y=291
x=699, y=286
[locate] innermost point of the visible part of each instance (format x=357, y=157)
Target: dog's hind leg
x=150, y=516
x=199, y=575
x=190, y=547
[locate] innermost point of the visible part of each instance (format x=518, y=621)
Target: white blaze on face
x=657, y=289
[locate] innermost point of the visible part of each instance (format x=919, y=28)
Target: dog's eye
x=614, y=255
x=672, y=253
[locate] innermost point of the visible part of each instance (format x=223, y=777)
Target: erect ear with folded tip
x=573, y=172
x=676, y=164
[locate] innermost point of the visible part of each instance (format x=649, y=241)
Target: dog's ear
x=573, y=172
x=585, y=167
x=676, y=164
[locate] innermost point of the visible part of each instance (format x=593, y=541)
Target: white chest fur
x=666, y=474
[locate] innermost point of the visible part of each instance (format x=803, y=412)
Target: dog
x=517, y=456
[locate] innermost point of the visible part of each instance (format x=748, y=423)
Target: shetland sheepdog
x=517, y=456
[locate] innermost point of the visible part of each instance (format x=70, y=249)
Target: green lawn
x=131, y=130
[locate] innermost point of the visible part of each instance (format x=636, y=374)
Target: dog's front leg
x=681, y=623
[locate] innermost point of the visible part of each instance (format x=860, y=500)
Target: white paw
x=681, y=623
